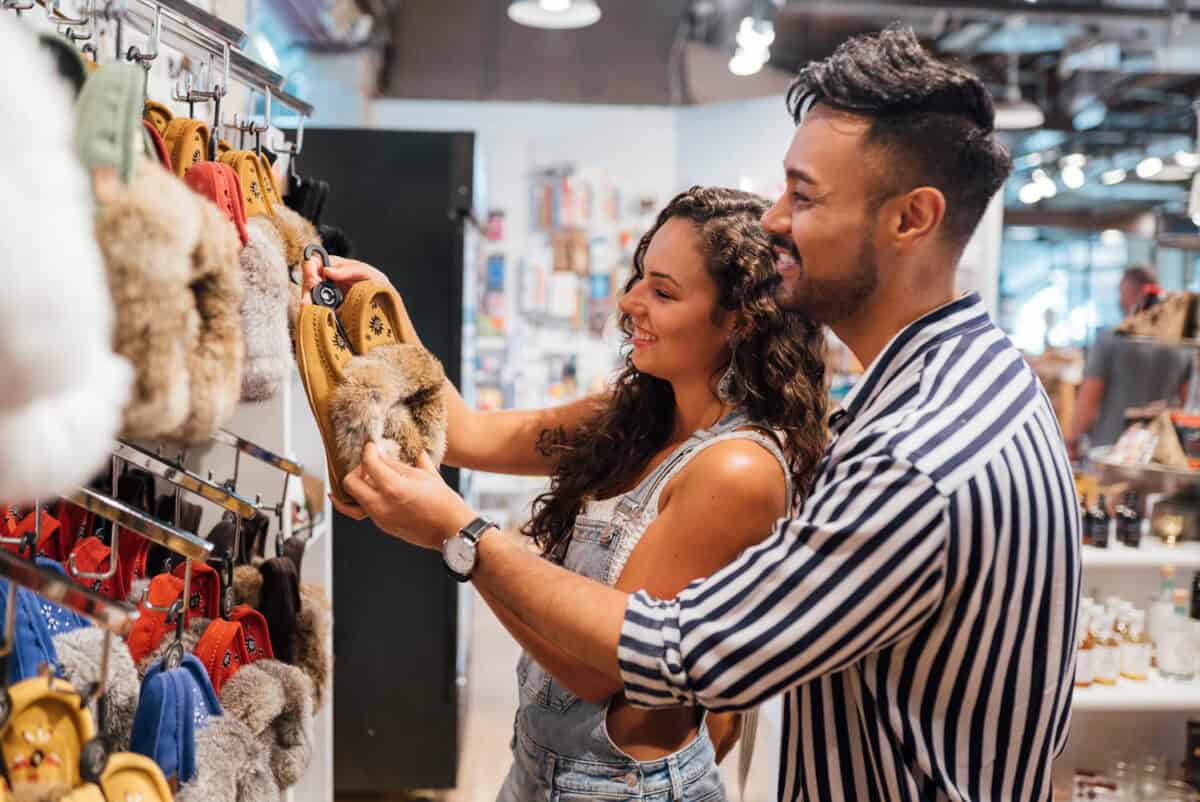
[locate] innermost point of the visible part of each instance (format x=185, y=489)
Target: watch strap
x=474, y=530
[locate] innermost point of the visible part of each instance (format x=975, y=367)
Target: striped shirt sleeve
x=863, y=566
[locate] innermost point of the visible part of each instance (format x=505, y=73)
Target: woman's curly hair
x=780, y=361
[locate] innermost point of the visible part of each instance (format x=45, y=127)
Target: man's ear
x=919, y=213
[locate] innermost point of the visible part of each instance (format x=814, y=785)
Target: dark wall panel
x=396, y=712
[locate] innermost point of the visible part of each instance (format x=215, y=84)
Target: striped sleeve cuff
x=651, y=665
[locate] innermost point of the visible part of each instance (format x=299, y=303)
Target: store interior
x=499, y=162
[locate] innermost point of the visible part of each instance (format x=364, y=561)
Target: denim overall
x=561, y=748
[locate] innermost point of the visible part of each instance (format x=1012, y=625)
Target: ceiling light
x=1172, y=172
x=1013, y=113
x=1016, y=115
x=1028, y=160
x=1186, y=159
x=756, y=34
x=1030, y=194
x=1112, y=177
x=1112, y=236
x=554, y=14
x=747, y=62
x=1074, y=160
x=1073, y=177
x=1090, y=114
x=1148, y=168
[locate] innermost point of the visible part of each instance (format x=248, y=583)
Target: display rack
x=1152, y=553
x=1154, y=694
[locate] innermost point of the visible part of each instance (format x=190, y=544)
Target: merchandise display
x=131, y=668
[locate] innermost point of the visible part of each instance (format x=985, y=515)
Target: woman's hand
x=345, y=273
x=411, y=503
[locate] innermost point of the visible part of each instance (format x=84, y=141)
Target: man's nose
x=777, y=220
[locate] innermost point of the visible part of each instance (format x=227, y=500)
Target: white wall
x=634, y=146
x=737, y=144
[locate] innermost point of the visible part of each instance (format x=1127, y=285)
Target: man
x=1120, y=373
x=919, y=612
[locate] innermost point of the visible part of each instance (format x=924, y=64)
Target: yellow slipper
x=158, y=115
x=322, y=353
x=132, y=776
x=374, y=315
x=187, y=140
x=245, y=163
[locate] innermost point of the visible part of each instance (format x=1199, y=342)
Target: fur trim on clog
x=264, y=312
x=215, y=361
x=147, y=234
x=232, y=765
x=391, y=397
x=312, y=645
x=79, y=654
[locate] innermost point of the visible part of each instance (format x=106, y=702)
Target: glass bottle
x=1129, y=521
x=1106, y=660
x=1135, y=649
x=1177, y=650
x=1085, y=516
x=1161, y=609
x=1100, y=526
x=1084, y=669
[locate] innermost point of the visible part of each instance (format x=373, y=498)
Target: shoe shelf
x=1157, y=693
x=1151, y=554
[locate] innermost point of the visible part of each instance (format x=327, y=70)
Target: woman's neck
x=696, y=408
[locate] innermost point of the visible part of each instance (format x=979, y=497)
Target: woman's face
x=671, y=308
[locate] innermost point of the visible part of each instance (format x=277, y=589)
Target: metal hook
x=58, y=18
x=112, y=561
x=136, y=55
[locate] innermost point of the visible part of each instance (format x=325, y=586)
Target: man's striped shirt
x=919, y=612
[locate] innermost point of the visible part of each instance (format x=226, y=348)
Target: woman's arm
x=725, y=500
x=500, y=442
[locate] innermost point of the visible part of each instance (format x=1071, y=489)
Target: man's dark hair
x=932, y=120
x=1140, y=275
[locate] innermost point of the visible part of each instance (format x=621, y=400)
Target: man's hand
x=343, y=272
x=411, y=503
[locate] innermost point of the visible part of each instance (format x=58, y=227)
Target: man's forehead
x=825, y=141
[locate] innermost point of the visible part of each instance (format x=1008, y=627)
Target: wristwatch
x=460, y=552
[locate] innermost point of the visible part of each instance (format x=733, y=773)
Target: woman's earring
x=731, y=389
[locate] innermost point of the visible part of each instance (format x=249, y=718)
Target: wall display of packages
x=545, y=322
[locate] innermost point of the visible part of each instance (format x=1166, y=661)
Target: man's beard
x=832, y=300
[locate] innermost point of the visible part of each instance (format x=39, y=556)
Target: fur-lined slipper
x=312, y=645
x=274, y=701
x=129, y=776
x=192, y=632
x=147, y=234
x=247, y=585
x=264, y=312
x=322, y=355
x=157, y=115
x=155, y=146
x=109, y=129
x=232, y=765
x=297, y=234
x=63, y=389
x=392, y=397
x=215, y=363
x=220, y=184
x=187, y=139
x=249, y=171
x=79, y=653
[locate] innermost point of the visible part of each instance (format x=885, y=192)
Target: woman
x=661, y=481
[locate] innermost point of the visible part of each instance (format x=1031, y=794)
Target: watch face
x=460, y=554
